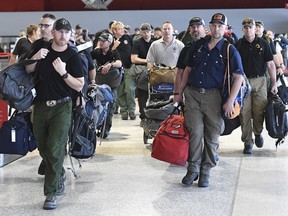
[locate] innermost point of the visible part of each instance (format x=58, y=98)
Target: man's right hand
x=41, y=54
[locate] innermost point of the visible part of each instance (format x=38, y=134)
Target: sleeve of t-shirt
x=268, y=55
x=17, y=47
x=180, y=62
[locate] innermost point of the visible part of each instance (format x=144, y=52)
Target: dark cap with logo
x=248, y=22
x=220, y=18
x=258, y=22
x=106, y=37
x=145, y=26
x=62, y=24
x=196, y=21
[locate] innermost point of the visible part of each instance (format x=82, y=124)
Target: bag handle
x=282, y=77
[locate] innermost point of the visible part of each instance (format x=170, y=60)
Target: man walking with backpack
x=201, y=84
x=59, y=74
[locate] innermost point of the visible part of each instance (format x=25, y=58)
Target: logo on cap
x=248, y=22
x=218, y=17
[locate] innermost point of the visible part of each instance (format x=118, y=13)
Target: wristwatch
x=65, y=76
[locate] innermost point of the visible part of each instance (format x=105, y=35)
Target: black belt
x=255, y=76
x=52, y=103
x=203, y=90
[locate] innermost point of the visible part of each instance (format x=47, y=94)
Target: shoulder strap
x=227, y=71
x=225, y=51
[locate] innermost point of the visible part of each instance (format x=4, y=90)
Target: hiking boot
x=61, y=185
x=132, y=115
x=203, y=179
x=259, y=142
x=50, y=202
x=41, y=168
x=189, y=178
x=124, y=116
x=248, y=149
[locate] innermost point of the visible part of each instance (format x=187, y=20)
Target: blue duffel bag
x=16, y=135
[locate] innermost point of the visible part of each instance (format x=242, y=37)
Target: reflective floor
x=123, y=179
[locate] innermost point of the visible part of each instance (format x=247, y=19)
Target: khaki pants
x=203, y=119
x=252, y=114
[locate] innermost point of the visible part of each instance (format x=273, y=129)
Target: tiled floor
x=123, y=179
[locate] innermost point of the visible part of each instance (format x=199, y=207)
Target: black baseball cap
x=219, y=17
x=62, y=24
x=196, y=21
x=258, y=22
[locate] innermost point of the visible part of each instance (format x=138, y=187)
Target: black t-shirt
x=103, y=59
x=124, y=50
x=254, y=55
x=23, y=45
x=141, y=47
x=49, y=84
x=182, y=56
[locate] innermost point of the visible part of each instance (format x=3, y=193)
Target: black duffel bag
x=113, y=78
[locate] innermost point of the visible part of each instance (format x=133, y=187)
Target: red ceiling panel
x=72, y=5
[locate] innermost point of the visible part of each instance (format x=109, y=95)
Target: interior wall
x=275, y=19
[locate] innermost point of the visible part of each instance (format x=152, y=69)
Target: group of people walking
x=198, y=83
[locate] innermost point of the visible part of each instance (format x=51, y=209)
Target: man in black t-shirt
x=256, y=57
x=59, y=74
x=138, y=57
x=106, y=58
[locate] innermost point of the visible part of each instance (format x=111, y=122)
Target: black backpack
x=276, y=118
x=82, y=135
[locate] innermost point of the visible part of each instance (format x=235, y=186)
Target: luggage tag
x=13, y=135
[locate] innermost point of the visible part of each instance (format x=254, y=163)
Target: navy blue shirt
x=208, y=66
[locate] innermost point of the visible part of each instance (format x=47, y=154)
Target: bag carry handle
x=177, y=106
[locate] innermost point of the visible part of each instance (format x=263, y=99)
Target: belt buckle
x=51, y=103
x=201, y=90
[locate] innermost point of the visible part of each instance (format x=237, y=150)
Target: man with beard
x=59, y=74
x=201, y=84
x=197, y=31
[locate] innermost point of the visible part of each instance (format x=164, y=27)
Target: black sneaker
x=50, y=203
x=61, y=185
x=259, y=142
x=189, y=178
x=41, y=168
x=248, y=149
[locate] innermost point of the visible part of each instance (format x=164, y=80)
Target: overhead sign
x=97, y=4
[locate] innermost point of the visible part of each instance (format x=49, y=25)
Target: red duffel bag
x=171, y=142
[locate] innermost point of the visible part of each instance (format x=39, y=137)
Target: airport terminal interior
x=122, y=179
